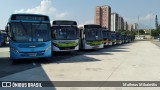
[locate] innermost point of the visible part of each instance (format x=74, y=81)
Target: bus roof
x=113, y=32
x=29, y=17
x=105, y=30
x=89, y=26
x=64, y=22
x=92, y=26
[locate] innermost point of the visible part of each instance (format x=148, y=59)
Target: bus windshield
x=65, y=33
x=93, y=34
x=30, y=32
x=106, y=35
x=118, y=36
x=113, y=35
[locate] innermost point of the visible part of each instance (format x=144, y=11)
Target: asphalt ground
x=7, y=67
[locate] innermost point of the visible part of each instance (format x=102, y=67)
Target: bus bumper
x=15, y=55
x=56, y=49
x=87, y=47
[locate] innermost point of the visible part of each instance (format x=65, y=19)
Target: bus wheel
x=52, y=53
x=13, y=61
x=48, y=58
x=3, y=43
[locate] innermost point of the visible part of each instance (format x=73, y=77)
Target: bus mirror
x=83, y=36
x=6, y=28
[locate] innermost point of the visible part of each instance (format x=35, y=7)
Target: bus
x=130, y=38
x=29, y=36
x=124, y=38
x=118, y=38
x=113, y=38
x=91, y=37
x=3, y=37
x=65, y=36
x=106, y=37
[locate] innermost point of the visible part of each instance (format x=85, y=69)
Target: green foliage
x=158, y=27
x=127, y=32
x=141, y=32
x=156, y=32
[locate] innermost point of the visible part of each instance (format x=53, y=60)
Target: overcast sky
x=83, y=10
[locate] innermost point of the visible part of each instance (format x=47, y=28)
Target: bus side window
x=78, y=33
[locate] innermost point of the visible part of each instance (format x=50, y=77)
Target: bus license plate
x=95, y=47
x=67, y=49
x=32, y=54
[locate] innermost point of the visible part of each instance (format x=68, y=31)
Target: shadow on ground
x=8, y=68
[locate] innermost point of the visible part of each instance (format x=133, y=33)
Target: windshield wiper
x=39, y=25
x=25, y=30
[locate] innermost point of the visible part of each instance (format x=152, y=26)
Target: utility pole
x=150, y=29
x=138, y=27
x=156, y=22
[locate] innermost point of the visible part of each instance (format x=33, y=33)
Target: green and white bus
x=91, y=37
x=65, y=36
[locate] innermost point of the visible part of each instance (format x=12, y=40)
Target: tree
x=141, y=32
x=127, y=32
x=155, y=33
x=156, y=22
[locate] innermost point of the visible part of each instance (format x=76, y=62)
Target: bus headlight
x=15, y=50
x=55, y=43
x=48, y=48
x=77, y=41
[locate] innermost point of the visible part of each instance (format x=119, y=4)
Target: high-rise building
x=120, y=23
x=103, y=16
x=114, y=22
x=130, y=27
x=125, y=25
x=135, y=26
x=97, y=17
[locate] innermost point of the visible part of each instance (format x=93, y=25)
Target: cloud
x=146, y=21
x=89, y=22
x=148, y=17
x=46, y=8
x=61, y=15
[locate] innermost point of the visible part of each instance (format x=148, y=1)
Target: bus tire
x=49, y=58
x=13, y=61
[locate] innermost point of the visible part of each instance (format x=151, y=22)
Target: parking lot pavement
x=156, y=42
x=4, y=49
x=137, y=61
x=8, y=68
